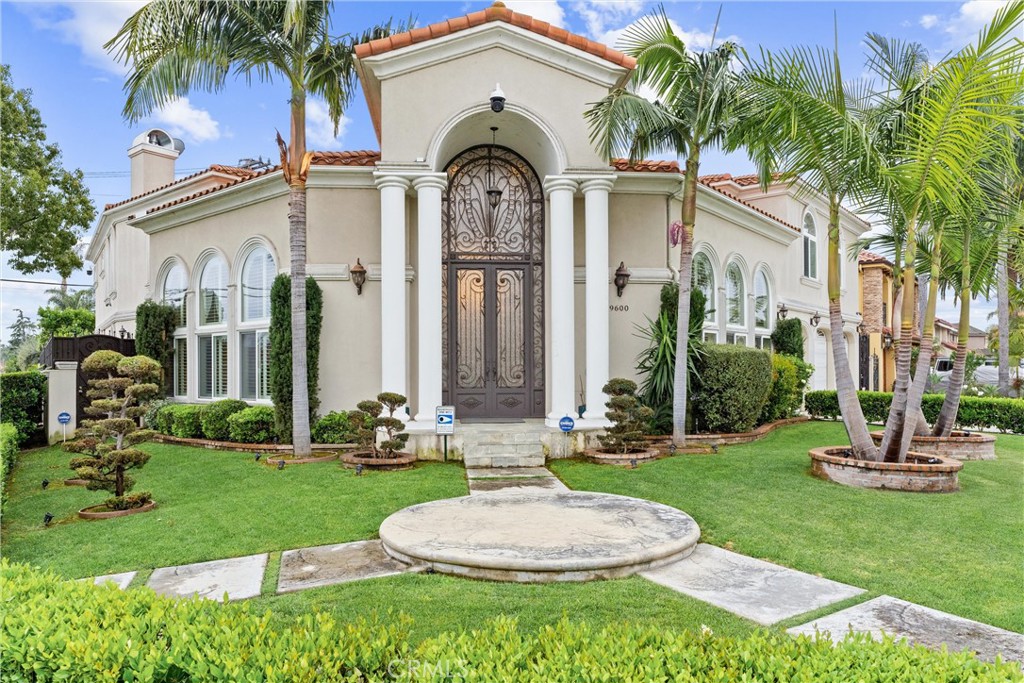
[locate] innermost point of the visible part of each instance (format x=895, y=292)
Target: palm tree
x=815, y=126
x=62, y=299
x=174, y=46
x=944, y=130
x=697, y=104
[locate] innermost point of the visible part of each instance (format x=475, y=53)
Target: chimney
x=152, y=154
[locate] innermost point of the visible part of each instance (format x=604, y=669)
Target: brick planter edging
x=921, y=477
x=745, y=437
x=623, y=459
x=247, y=447
x=959, y=445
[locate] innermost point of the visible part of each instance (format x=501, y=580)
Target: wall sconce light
x=887, y=340
x=497, y=99
x=815, y=319
x=862, y=329
x=358, y=273
x=123, y=333
x=621, y=277
x=783, y=312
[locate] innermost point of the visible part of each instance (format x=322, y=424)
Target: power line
x=125, y=174
x=42, y=282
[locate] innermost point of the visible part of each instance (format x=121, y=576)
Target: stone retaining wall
x=913, y=475
x=959, y=445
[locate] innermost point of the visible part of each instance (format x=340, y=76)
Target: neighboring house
x=877, y=357
x=946, y=336
x=977, y=341
x=489, y=266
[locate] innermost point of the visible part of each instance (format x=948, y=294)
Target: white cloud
x=88, y=25
x=962, y=27
x=320, y=128
x=929, y=20
x=600, y=14
x=545, y=10
x=694, y=40
x=184, y=120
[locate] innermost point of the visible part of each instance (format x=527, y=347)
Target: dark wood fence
x=77, y=349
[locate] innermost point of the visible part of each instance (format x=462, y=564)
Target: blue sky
x=56, y=50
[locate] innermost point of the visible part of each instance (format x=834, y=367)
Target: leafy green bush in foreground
x=52, y=629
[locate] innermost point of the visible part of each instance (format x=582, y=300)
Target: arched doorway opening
x=493, y=286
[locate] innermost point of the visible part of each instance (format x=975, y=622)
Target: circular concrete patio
x=540, y=537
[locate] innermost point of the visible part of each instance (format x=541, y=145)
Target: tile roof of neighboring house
x=357, y=158
x=496, y=12
x=710, y=181
x=870, y=257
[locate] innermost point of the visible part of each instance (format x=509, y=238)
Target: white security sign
x=445, y=423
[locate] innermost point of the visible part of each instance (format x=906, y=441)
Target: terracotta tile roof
x=496, y=12
x=710, y=181
x=870, y=257
x=229, y=170
x=364, y=157
x=211, y=190
x=747, y=180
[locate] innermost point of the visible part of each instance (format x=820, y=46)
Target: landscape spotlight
x=359, y=470
x=280, y=464
x=46, y=482
x=632, y=463
x=256, y=456
x=47, y=518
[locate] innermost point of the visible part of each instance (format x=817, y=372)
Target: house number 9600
x=619, y=307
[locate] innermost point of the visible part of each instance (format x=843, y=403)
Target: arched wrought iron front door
x=493, y=288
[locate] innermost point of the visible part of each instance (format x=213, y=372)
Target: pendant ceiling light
x=493, y=193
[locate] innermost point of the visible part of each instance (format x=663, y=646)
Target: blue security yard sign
x=445, y=423
x=64, y=418
x=566, y=424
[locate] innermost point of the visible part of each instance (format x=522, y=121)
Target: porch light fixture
x=493, y=193
x=783, y=312
x=358, y=274
x=122, y=332
x=815, y=319
x=621, y=277
x=862, y=329
x=497, y=99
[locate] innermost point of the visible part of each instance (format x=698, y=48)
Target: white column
x=392, y=283
x=595, y=191
x=428, y=267
x=562, y=362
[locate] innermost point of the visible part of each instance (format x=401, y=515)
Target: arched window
x=257, y=277
x=213, y=292
x=735, y=296
x=704, y=281
x=174, y=290
x=810, y=248
x=762, y=301
x=258, y=272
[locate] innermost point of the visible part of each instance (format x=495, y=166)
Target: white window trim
x=249, y=328
x=813, y=238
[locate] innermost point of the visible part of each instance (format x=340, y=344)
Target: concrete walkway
x=754, y=589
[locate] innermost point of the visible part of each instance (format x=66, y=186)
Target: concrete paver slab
x=329, y=564
x=522, y=484
x=755, y=589
x=918, y=624
x=506, y=472
x=239, y=577
x=121, y=580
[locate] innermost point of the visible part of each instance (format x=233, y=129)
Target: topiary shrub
x=154, y=335
x=214, y=417
x=186, y=420
x=370, y=420
x=788, y=338
x=782, y=398
x=339, y=427
x=119, y=388
x=281, y=350
x=628, y=416
x=733, y=387
x=22, y=395
x=255, y=424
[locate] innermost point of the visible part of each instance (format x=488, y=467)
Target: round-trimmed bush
x=255, y=424
x=733, y=386
x=214, y=418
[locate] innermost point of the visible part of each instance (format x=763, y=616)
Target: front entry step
x=503, y=444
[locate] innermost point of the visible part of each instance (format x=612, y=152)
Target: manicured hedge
x=1004, y=414
x=8, y=455
x=732, y=387
x=336, y=427
x=215, y=416
x=252, y=425
x=75, y=631
x=22, y=395
x=183, y=420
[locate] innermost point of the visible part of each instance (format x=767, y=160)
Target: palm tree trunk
x=846, y=390
x=924, y=358
x=679, y=388
x=898, y=410
x=1003, y=313
x=951, y=403
x=297, y=244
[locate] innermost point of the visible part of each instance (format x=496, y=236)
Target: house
x=877, y=357
x=490, y=241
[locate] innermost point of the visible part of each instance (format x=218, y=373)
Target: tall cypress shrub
x=281, y=350
x=154, y=336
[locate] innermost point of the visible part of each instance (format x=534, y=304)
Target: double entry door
x=492, y=354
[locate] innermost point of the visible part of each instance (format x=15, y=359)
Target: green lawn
x=211, y=505
x=962, y=552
